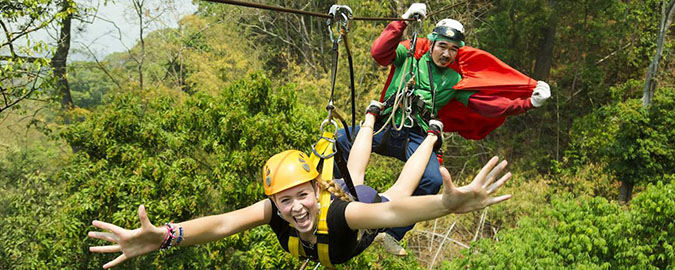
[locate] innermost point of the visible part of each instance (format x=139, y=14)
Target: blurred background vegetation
x=183, y=121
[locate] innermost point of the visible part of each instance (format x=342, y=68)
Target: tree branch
x=27, y=58
x=438, y=251
x=9, y=37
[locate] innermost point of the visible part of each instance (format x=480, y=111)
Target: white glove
x=416, y=8
x=540, y=94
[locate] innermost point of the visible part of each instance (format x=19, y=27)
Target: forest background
x=183, y=121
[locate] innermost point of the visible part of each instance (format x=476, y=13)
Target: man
x=469, y=90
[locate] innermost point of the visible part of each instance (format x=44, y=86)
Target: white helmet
x=448, y=29
x=451, y=23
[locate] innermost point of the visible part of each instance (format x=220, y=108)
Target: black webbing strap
x=431, y=87
x=333, y=73
x=342, y=166
x=351, y=78
x=385, y=139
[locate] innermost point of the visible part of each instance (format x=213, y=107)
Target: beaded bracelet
x=166, y=244
x=180, y=235
x=171, y=236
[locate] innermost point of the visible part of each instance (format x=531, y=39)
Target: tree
x=585, y=233
x=60, y=57
x=25, y=72
x=635, y=144
x=544, y=60
x=665, y=22
x=626, y=188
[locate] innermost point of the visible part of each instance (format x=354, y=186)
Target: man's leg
x=345, y=145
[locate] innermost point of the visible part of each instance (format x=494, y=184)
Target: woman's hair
x=338, y=192
x=333, y=188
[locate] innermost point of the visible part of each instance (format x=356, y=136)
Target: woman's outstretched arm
x=412, y=171
x=409, y=210
x=148, y=238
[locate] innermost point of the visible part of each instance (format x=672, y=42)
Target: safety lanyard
x=339, y=14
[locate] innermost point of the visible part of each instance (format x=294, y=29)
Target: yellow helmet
x=286, y=170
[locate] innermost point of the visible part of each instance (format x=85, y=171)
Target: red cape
x=482, y=71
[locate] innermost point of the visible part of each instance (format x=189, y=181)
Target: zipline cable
x=301, y=12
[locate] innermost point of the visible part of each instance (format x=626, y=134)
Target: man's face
x=444, y=53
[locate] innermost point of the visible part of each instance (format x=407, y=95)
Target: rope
x=301, y=12
x=397, y=100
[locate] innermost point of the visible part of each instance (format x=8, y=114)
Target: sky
x=117, y=29
x=114, y=28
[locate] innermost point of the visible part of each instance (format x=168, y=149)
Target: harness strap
x=294, y=245
x=322, y=231
x=346, y=175
x=431, y=86
x=323, y=147
x=343, y=32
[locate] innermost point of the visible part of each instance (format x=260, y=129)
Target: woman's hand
x=477, y=194
x=131, y=243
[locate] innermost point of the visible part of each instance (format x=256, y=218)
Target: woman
x=292, y=209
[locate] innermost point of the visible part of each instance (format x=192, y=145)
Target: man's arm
x=384, y=47
x=492, y=106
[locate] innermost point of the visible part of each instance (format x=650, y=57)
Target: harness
x=324, y=147
x=415, y=111
x=294, y=245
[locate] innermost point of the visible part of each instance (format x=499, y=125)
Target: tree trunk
x=650, y=82
x=542, y=66
x=667, y=10
x=138, y=6
x=59, y=66
x=59, y=61
x=625, y=192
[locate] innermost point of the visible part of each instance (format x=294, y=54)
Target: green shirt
x=444, y=80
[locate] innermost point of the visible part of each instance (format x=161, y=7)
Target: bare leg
x=412, y=170
x=360, y=154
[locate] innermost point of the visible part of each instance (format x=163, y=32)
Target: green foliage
x=182, y=159
x=192, y=142
x=635, y=143
x=28, y=199
x=651, y=226
x=585, y=233
x=88, y=84
x=598, y=45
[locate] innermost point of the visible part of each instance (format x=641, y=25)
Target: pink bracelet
x=166, y=244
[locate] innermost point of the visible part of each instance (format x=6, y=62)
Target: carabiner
x=409, y=120
x=326, y=121
x=338, y=13
x=322, y=137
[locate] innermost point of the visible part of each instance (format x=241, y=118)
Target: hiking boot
x=390, y=244
x=375, y=108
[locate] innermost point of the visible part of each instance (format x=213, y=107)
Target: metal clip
x=409, y=120
x=338, y=13
x=332, y=141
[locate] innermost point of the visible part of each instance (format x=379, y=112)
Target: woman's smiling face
x=299, y=206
